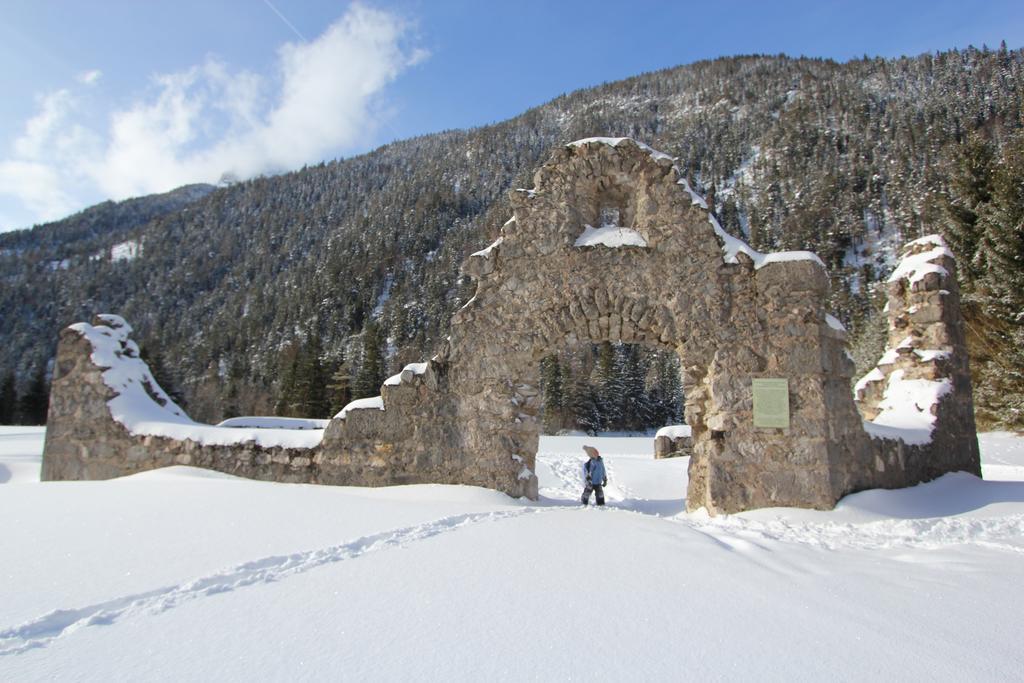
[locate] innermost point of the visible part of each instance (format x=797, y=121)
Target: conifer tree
x=970, y=190
x=286, y=397
x=371, y=371
x=313, y=380
x=583, y=399
x=1001, y=389
x=666, y=394
x=304, y=390
x=1002, y=221
x=339, y=387
x=552, y=383
x=609, y=387
x=8, y=400
x=632, y=375
x=35, y=401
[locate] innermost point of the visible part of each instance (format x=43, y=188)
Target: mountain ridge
x=793, y=153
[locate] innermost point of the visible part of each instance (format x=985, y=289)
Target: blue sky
x=116, y=98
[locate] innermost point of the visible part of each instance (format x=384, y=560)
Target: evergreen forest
x=295, y=293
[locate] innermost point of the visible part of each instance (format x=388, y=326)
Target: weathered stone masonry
x=660, y=273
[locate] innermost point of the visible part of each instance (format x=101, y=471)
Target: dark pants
x=596, y=488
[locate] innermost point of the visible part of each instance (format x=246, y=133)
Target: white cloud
x=38, y=187
x=210, y=119
x=41, y=128
x=90, y=77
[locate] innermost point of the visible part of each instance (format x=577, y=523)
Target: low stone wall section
x=83, y=441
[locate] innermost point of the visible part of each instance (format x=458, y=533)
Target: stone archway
x=666, y=276
x=563, y=273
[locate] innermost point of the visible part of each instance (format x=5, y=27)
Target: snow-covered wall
x=108, y=417
x=673, y=441
x=917, y=402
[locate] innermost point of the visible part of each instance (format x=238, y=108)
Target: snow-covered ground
x=181, y=574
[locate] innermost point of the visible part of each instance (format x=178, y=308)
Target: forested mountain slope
x=334, y=274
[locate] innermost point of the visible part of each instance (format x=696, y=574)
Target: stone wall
x=672, y=445
x=927, y=353
x=83, y=441
x=610, y=245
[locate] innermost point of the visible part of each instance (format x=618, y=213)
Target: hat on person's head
x=591, y=451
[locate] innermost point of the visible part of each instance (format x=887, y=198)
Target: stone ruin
x=611, y=244
x=674, y=441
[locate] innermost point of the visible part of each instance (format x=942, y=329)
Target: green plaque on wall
x=771, y=403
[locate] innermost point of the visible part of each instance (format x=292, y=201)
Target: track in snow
x=49, y=627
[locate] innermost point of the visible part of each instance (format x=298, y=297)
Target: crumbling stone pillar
x=922, y=382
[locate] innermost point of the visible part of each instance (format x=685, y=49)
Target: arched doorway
x=668, y=276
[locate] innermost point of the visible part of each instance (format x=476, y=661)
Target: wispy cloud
x=90, y=77
x=210, y=119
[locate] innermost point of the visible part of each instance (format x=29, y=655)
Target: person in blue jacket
x=595, y=476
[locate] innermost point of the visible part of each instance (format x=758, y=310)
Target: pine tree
x=586, y=408
x=666, y=394
x=313, y=380
x=1000, y=362
x=553, y=389
x=35, y=401
x=304, y=386
x=1002, y=222
x=371, y=371
x=970, y=190
x=609, y=387
x=632, y=372
x=8, y=400
x=339, y=387
x=287, y=401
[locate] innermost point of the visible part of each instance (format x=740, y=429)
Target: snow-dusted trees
x=371, y=369
x=985, y=226
x=969, y=192
x=304, y=385
x=610, y=387
x=841, y=159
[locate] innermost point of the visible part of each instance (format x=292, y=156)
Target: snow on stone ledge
x=373, y=402
x=908, y=409
x=273, y=422
x=928, y=355
x=615, y=142
x=914, y=267
x=144, y=409
x=395, y=380
x=733, y=246
x=486, y=252
x=610, y=236
x=675, y=431
x=695, y=198
x=875, y=375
